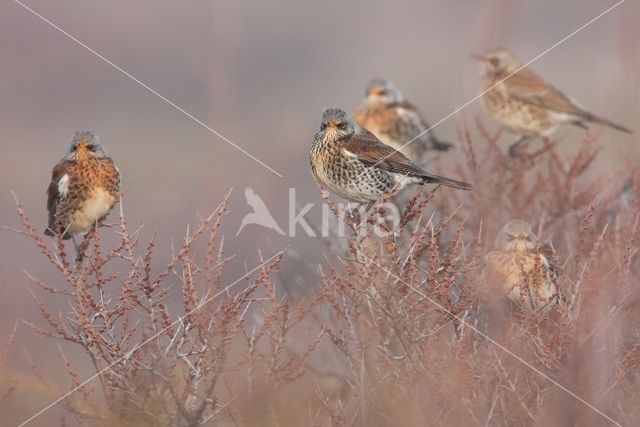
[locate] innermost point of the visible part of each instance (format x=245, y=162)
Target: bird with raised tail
x=522, y=102
x=358, y=167
x=396, y=122
x=84, y=187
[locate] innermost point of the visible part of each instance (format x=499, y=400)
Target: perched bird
x=395, y=122
x=524, y=103
x=358, y=166
x=84, y=187
x=522, y=267
x=260, y=214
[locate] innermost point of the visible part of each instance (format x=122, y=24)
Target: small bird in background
x=394, y=121
x=525, y=104
x=260, y=215
x=522, y=267
x=358, y=166
x=84, y=187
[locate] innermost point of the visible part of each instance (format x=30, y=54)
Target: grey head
x=335, y=123
x=516, y=235
x=383, y=91
x=85, y=142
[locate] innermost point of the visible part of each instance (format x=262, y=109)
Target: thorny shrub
x=394, y=331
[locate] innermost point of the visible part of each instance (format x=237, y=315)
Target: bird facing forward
x=84, y=187
x=394, y=121
x=358, y=166
x=524, y=103
x=521, y=266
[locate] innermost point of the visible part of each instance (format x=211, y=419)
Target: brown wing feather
x=527, y=86
x=429, y=137
x=371, y=151
x=554, y=269
x=554, y=266
x=53, y=196
x=407, y=106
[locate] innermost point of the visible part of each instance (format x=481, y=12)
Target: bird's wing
x=57, y=189
x=546, y=250
x=527, y=86
x=368, y=149
x=409, y=114
x=371, y=151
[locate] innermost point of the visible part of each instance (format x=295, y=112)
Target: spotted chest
x=517, y=116
x=86, y=191
x=347, y=176
x=517, y=271
x=394, y=127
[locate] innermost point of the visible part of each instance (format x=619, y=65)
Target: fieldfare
x=523, y=268
x=358, y=166
x=524, y=103
x=394, y=121
x=84, y=187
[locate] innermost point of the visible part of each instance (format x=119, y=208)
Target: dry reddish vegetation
x=374, y=342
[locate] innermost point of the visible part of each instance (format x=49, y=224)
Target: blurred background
x=260, y=73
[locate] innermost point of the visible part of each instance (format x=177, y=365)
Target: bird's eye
x=383, y=93
x=323, y=126
x=91, y=147
x=341, y=125
x=511, y=237
x=494, y=61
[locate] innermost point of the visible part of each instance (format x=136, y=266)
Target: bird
x=396, y=122
x=260, y=214
x=522, y=102
x=358, y=167
x=523, y=268
x=85, y=185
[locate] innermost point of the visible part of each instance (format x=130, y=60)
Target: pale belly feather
x=94, y=208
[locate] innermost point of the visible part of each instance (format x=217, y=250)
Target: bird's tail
x=594, y=118
x=435, y=179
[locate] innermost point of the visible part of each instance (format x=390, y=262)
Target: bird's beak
x=478, y=57
x=331, y=125
x=373, y=92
